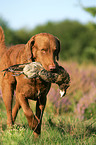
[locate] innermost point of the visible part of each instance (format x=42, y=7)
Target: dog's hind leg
x=7, y=94
x=15, y=110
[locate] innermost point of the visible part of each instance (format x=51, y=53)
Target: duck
x=35, y=70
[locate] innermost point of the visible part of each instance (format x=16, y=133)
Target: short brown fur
x=43, y=48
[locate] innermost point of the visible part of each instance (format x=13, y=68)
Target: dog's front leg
x=40, y=106
x=27, y=111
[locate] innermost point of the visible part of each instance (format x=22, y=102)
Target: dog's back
x=2, y=42
x=5, y=55
x=2, y=50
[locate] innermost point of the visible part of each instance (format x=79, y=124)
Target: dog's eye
x=43, y=51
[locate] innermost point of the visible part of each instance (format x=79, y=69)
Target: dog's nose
x=52, y=67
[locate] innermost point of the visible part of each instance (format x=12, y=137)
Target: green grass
x=56, y=130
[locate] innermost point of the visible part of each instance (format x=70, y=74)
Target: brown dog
x=43, y=48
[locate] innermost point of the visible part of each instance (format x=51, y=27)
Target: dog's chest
x=32, y=88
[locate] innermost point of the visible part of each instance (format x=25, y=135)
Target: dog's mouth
x=52, y=70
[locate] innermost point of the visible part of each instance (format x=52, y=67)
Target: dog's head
x=44, y=48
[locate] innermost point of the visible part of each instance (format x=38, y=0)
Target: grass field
x=67, y=121
x=56, y=130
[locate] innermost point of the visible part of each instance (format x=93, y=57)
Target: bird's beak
x=62, y=93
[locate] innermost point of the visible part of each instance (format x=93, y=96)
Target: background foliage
x=77, y=40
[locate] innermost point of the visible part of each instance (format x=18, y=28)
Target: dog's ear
x=29, y=48
x=58, y=48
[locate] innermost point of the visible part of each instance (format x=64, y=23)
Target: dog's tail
x=2, y=42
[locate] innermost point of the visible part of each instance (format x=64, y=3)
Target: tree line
x=77, y=40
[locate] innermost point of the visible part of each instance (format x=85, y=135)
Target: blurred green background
x=78, y=41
